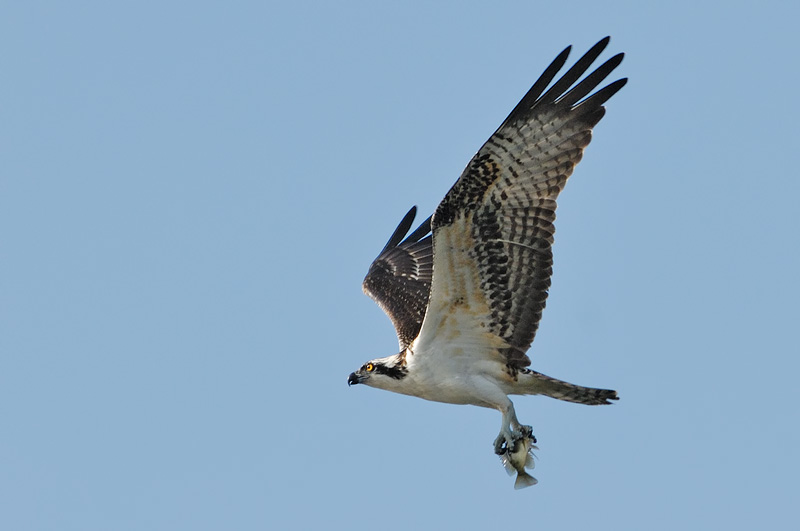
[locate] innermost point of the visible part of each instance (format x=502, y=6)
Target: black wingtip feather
x=401, y=230
x=538, y=87
x=421, y=231
x=560, y=93
x=602, y=95
x=590, y=82
x=573, y=74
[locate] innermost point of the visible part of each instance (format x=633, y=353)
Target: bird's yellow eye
x=370, y=367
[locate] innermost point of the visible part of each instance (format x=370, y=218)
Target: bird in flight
x=466, y=289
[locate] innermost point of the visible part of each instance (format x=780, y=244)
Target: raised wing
x=493, y=231
x=399, y=280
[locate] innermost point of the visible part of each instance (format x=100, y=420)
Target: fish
x=518, y=459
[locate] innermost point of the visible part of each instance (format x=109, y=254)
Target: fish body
x=518, y=459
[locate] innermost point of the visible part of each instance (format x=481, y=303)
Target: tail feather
x=541, y=384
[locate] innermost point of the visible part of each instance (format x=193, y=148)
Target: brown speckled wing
x=499, y=214
x=399, y=280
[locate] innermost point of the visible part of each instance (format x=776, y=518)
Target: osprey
x=465, y=291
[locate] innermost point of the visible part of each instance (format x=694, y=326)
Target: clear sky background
x=191, y=193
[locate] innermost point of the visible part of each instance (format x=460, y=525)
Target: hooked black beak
x=352, y=379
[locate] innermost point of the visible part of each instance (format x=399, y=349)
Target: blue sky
x=191, y=193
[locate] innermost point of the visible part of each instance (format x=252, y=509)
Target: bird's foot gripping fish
x=518, y=458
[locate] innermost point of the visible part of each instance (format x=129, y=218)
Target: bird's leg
x=511, y=431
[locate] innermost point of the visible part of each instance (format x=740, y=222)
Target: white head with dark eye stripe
x=383, y=373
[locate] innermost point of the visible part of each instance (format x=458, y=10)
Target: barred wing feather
x=493, y=231
x=399, y=280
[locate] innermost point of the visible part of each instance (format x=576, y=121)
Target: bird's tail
x=541, y=384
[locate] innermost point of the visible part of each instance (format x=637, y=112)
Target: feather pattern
x=399, y=280
x=497, y=219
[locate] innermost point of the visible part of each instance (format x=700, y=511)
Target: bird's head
x=383, y=373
